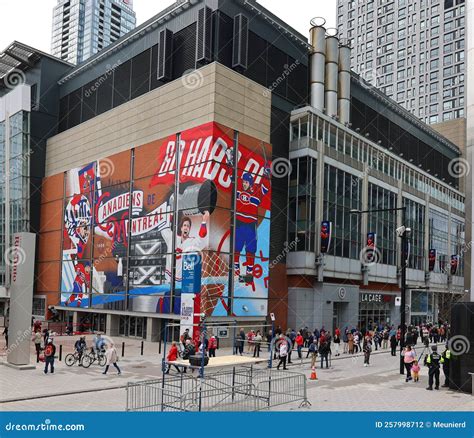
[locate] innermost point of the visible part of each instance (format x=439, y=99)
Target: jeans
x=256, y=352
x=212, y=352
x=49, y=362
x=367, y=357
x=115, y=365
x=324, y=357
x=282, y=361
x=38, y=351
x=299, y=348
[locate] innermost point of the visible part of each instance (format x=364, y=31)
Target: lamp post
x=403, y=233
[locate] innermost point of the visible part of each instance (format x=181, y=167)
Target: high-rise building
x=81, y=28
x=411, y=50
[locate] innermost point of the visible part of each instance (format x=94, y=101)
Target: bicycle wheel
x=102, y=361
x=87, y=361
x=70, y=359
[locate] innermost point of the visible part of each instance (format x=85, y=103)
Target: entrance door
x=336, y=315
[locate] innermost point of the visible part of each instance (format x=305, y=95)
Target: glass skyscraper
x=81, y=28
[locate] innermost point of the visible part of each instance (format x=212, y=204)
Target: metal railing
x=239, y=389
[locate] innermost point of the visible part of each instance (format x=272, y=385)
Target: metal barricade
x=239, y=389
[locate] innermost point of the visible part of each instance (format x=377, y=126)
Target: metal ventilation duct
x=344, y=91
x=318, y=62
x=332, y=72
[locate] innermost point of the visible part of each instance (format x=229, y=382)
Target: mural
x=130, y=221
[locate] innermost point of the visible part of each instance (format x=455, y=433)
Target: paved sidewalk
x=348, y=385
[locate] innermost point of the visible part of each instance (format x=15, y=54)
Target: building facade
x=413, y=51
x=29, y=109
x=81, y=28
x=265, y=159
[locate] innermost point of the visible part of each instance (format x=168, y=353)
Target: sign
x=272, y=316
x=21, y=297
x=398, y=301
x=371, y=245
x=454, y=264
x=325, y=234
x=222, y=332
x=431, y=260
x=192, y=270
x=342, y=293
x=371, y=298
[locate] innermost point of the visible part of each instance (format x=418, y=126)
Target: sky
x=29, y=21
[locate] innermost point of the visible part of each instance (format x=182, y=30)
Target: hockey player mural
x=129, y=221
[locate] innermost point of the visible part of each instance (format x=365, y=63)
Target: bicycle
x=92, y=357
x=72, y=358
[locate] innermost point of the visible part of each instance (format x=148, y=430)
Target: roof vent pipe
x=344, y=91
x=332, y=72
x=318, y=62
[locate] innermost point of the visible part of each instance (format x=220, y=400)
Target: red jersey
x=82, y=277
x=248, y=201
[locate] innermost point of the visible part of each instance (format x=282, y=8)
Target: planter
x=196, y=360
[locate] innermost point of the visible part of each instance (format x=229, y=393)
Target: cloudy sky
x=29, y=21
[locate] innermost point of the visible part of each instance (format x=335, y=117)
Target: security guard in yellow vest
x=433, y=360
x=445, y=359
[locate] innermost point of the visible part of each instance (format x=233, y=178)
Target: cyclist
x=99, y=344
x=80, y=347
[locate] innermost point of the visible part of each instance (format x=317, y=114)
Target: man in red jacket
x=299, y=344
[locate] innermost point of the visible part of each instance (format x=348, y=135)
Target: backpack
x=48, y=351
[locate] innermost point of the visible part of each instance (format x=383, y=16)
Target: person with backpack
x=49, y=352
x=212, y=346
x=80, y=346
x=313, y=349
x=385, y=337
x=189, y=350
x=324, y=352
x=112, y=358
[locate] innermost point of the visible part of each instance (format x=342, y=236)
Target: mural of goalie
x=248, y=200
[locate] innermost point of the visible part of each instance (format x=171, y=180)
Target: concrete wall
x=212, y=93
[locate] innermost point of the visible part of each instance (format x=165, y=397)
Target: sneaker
x=119, y=373
x=429, y=389
x=437, y=388
x=104, y=373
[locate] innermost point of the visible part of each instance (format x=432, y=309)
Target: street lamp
x=403, y=232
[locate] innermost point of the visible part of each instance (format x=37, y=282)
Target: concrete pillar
x=112, y=325
x=153, y=329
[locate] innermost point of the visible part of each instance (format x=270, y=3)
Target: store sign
x=342, y=293
x=371, y=298
x=375, y=298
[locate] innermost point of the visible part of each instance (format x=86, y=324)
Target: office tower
x=81, y=28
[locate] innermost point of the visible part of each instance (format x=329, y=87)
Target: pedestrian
x=250, y=338
x=112, y=358
x=345, y=341
x=299, y=344
x=313, y=349
x=350, y=342
x=324, y=352
x=45, y=336
x=212, y=346
x=37, y=341
x=5, y=334
x=445, y=359
x=393, y=345
x=240, y=341
x=49, y=352
x=385, y=338
x=171, y=357
x=409, y=356
x=432, y=361
x=415, y=371
x=337, y=343
x=189, y=350
x=257, y=343
x=367, y=348
x=283, y=352
x=356, y=342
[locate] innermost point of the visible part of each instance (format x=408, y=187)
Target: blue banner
x=192, y=270
x=234, y=425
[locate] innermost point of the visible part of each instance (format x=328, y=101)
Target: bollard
x=123, y=349
x=60, y=352
x=159, y=348
x=141, y=350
